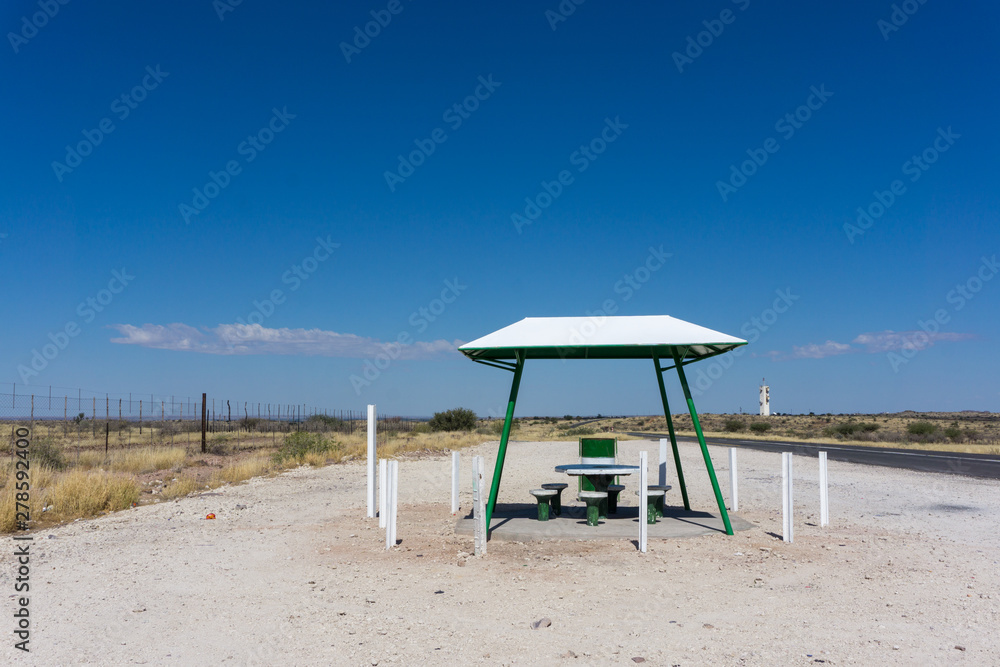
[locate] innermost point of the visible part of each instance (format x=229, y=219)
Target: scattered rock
x=241, y=507
x=568, y=654
x=541, y=623
x=708, y=626
x=960, y=648
x=638, y=659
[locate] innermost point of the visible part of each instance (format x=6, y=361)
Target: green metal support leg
x=502, y=452
x=701, y=442
x=670, y=430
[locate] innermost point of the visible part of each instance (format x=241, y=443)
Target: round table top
x=596, y=469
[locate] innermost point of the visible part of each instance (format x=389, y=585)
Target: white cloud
x=243, y=339
x=871, y=343
x=818, y=351
x=888, y=341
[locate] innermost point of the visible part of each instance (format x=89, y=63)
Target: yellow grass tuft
x=79, y=494
x=315, y=459
x=254, y=466
x=39, y=478
x=184, y=486
x=136, y=461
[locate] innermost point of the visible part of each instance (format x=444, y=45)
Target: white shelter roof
x=621, y=337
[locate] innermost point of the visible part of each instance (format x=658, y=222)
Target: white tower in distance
x=765, y=400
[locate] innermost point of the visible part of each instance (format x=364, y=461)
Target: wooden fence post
x=204, y=422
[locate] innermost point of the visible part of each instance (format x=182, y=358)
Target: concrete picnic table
x=600, y=475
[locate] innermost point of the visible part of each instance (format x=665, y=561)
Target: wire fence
x=92, y=420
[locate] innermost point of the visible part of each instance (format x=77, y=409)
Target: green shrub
x=45, y=451
x=849, y=429
x=299, y=445
x=458, y=419
x=583, y=430
x=844, y=430
x=953, y=432
x=733, y=425
x=323, y=423
x=760, y=427
x=920, y=428
x=421, y=428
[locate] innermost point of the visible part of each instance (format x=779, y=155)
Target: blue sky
x=181, y=164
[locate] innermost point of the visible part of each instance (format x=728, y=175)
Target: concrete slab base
x=519, y=522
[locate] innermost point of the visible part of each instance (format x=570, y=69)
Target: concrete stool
x=613, y=491
x=593, y=500
x=653, y=497
x=544, y=497
x=661, y=499
x=557, y=501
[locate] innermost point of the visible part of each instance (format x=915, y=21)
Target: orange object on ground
x=210, y=516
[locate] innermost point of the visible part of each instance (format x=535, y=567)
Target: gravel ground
x=291, y=571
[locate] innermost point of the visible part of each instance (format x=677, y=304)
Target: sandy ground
x=292, y=572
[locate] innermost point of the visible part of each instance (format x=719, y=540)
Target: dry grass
x=253, y=466
x=316, y=459
x=353, y=447
x=182, y=486
x=137, y=461
x=39, y=478
x=147, y=459
x=81, y=493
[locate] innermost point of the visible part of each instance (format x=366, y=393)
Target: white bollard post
x=371, y=461
x=663, y=461
x=393, y=474
x=388, y=506
x=787, y=531
x=479, y=505
x=643, y=501
x=383, y=490
x=455, y=466
x=733, y=490
x=824, y=492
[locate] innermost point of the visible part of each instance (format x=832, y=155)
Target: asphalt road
x=953, y=463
